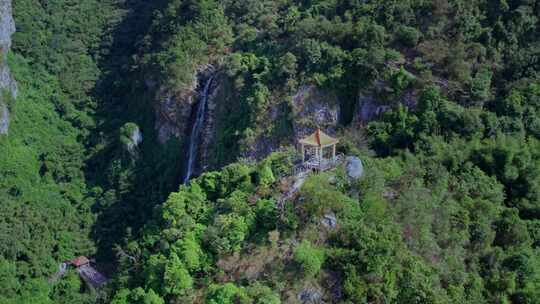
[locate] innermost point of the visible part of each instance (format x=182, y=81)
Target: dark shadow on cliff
x=128, y=186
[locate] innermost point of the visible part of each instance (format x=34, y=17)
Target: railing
x=297, y=169
x=315, y=165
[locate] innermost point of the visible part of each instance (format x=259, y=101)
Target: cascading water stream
x=194, y=138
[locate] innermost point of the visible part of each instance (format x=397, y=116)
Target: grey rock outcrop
x=329, y=220
x=4, y=119
x=172, y=115
x=355, y=168
x=314, y=108
x=310, y=296
x=368, y=106
x=7, y=83
x=173, y=110
x=311, y=107
x=136, y=139
x=371, y=104
x=7, y=25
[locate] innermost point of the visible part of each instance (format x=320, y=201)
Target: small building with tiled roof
x=79, y=261
x=89, y=274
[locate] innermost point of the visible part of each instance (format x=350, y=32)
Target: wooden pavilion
x=314, y=146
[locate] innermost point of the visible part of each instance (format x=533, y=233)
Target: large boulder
x=355, y=168
x=329, y=220
x=310, y=296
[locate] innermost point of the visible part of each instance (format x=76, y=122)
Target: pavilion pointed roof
x=79, y=261
x=319, y=139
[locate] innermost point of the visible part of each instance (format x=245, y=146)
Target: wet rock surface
x=209, y=129
x=355, y=168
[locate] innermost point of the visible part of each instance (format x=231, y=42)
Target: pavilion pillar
x=333, y=151
x=303, y=154
x=320, y=157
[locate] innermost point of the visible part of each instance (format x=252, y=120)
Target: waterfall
x=194, y=138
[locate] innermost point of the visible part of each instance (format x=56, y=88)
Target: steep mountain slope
x=445, y=94
x=45, y=214
x=439, y=99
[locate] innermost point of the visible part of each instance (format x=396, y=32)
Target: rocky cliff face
x=372, y=104
x=173, y=111
x=314, y=108
x=7, y=83
x=174, y=114
x=310, y=108
x=306, y=109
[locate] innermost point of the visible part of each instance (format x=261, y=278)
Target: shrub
x=320, y=196
x=226, y=294
x=266, y=214
x=176, y=277
x=237, y=176
x=137, y=296
x=190, y=251
x=265, y=177
x=407, y=35
x=281, y=162
x=130, y=135
x=309, y=258
x=228, y=232
x=262, y=294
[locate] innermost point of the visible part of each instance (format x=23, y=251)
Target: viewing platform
x=318, y=153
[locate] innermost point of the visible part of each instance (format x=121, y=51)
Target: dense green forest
x=447, y=209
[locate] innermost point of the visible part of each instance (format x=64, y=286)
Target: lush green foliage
x=448, y=210
x=45, y=215
x=309, y=258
